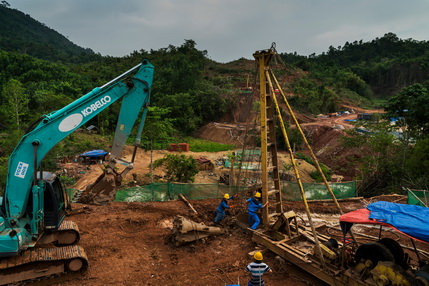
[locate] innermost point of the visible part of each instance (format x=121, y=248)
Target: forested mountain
x=21, y=33
x=42, y=71
x=385, y=64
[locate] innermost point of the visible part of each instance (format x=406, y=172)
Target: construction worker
x=257, y=268
x=252, y=209
x=220, y=210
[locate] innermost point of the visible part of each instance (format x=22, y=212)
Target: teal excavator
x=35, y=239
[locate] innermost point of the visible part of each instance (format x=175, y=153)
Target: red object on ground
x=184, y=147
x=173, y=147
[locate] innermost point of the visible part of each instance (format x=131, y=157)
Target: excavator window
x=2, y=207
x=49, y=201
x=54, y=203
x=58, y=192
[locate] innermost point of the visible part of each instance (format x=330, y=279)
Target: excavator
x=36, y=241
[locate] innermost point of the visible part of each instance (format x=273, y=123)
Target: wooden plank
x=301, y=259
x=187, y=203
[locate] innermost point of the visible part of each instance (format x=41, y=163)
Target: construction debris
x=185, y=230
x=187, y=203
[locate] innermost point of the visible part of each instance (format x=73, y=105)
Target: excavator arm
x=22, y=209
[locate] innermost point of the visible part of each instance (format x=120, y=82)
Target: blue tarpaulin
x=94, y=154
x=409, y=219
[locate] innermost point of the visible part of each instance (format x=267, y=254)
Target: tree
x=183, y=107
x=417, y=164
x=158, y=128
x=16, y=100
x=48, y=101
x=381, y=165
x=412, y=106
x=178, y=168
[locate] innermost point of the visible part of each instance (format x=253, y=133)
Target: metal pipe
x=139, y=133
x=415, y=249
x=263, y=132
x=35, y=145
x=295, y=168
x=120, y=76
x=418, y=197
x=313, y=156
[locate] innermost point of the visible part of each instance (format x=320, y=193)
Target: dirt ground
x=87, y=174
x=131, y=244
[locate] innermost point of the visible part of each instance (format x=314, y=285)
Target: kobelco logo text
x=96, y=105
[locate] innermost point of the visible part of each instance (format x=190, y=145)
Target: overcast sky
x=227, y=29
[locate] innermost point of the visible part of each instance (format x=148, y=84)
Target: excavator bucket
x=103, y=190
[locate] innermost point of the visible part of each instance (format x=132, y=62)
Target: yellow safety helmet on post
x=257, y=195
x=226, y=196
x=258, y=256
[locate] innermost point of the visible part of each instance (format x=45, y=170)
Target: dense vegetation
x=379, y=68
x=397, y=153
x=178, y=168
x=41, y=71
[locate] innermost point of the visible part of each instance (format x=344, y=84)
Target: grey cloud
x=230, y=29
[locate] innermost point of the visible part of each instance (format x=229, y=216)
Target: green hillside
x=21, y=33
x=42, y=71
x=385, y=64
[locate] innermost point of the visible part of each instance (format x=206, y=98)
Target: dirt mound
x=328, y=147
x=222, y=133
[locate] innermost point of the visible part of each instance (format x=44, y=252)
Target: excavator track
x=41, y=263
x=66, y=234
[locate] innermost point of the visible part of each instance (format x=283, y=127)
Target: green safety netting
x=317, y=191
x=171, y=191
x=418, y=197
x=249, y=160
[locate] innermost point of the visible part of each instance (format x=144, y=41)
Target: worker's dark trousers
x=219, y=217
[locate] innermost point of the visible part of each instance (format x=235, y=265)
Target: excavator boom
x=34, y=203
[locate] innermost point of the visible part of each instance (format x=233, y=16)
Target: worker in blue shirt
x=252, y=209
x=220, y=210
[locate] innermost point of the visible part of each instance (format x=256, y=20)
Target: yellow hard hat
x=257, y=195
x=226, y=196
x=258, y=256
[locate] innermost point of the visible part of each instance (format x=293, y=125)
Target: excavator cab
x=55, y=202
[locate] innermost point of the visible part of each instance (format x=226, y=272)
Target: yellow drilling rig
x=334, y=261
